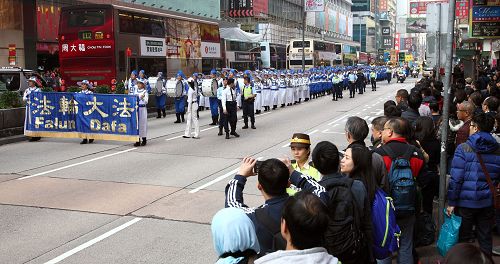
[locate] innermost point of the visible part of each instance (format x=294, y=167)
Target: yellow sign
x=408, y=57
x=99, y=35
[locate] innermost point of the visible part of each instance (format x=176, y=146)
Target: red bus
x=94, y=39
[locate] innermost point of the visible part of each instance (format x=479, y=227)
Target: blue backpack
x=385, y=230
x=403, y=189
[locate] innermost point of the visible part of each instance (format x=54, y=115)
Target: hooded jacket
x=316, y=255
x=468, y=186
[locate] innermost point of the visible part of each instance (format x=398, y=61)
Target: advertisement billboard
x=420, y=8
x=386, y=31
x=240, y=8
x=485, y=19
x=415, y=25
x=387, y=42
x=313, y=5
x=153, y=47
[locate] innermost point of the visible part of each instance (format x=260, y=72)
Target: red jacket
x=399, y=146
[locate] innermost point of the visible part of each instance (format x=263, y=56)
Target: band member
x=266, y=92
x=160, y=95
x=85, y=85
x=289, y=89
x=32, y=88
x=180, y=102
x=131, y=84
x=143, y=96
x=229, y=108
x=214, y=104
x=248, y=103
x=282, y=81
x=274, y=91
x=142, y=75
x=192, y=108
x=222, y=116
x=257, y=85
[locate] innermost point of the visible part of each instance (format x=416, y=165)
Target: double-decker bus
x=103, y=43
x=316, y=52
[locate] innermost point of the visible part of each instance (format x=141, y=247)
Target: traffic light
x=402, y=57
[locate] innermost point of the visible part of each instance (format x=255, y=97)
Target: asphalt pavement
x=110, y=202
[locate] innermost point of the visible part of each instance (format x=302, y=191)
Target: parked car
x=428, y=72
x=15, y=79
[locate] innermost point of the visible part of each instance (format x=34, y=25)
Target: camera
x=257, y=166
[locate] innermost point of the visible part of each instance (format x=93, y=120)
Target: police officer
x=360, y=81
x=85, y=85
x=229, y=107
x=352, y=84
x=373, y=79
x=300, y=146
x=249, y=95
x=142, y=94
x=32, y=88
x=180, y=102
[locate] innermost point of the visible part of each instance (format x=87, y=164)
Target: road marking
x=366, y=117
x=310, y=133
x=93, y=241
x=176, y=137
x=76, y=164
x=337, y=120
x=327, y=131
x=218, y=179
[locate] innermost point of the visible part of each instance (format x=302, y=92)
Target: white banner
x=314, y=5
x=154, y=47
x=210, y=50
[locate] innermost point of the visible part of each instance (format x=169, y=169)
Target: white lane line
x=337, y=120
x=218, y=179
x=327, y=131
x=93, y=241
x=366, y=117
x=310, y=133
x=176, y=137
x=76, y=164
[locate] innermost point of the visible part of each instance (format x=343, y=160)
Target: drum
x=174, y=88
x=209, y=87
x=156, y=84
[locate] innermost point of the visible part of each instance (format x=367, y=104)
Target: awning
x=237, y=34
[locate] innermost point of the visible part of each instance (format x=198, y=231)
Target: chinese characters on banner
x=314, y=6
x=420, y=8
x=397, y=42
x=76, y=115
x=462, y=11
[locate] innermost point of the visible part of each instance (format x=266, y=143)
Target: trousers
x=248, y=111
x=230, y=118
x=483, y=219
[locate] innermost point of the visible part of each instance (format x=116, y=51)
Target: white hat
x=141, y=80
x=89, y=84
x=190, y=79
x=32, y=79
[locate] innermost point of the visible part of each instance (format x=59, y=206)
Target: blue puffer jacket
x=468, y=186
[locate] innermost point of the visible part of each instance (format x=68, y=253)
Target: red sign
x=260, y=6
x=397, y=42
x=418, y=8
x=241, y=8
x=383, y=5
x=129, y=52
x=12, y=50
x=462, y=11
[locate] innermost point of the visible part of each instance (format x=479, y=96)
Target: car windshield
x=9, y=81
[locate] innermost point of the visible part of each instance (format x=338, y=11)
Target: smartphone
x=257, y=166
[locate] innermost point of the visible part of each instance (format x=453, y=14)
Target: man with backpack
x=349, y=232
x=404, y=163
x=274, y=176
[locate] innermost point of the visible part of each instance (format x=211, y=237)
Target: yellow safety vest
x=247, y=91
x=310, y=171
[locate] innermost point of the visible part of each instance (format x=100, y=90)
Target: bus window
x=299, y=62
x=298, y=44
x=88, y=18
x=139, y=24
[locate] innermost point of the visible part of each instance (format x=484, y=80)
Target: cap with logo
x=300, y=140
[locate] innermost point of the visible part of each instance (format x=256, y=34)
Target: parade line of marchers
x=78, y=115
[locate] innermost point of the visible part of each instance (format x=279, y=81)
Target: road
x=109, y=202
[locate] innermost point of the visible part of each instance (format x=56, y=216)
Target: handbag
x=448, y=235
x=495, y=190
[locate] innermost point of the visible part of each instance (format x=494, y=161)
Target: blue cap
x=134, y=72
x=213, y=71
x=181, y=74
x=142, y=71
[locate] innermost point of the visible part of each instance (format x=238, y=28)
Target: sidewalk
x=430, y=255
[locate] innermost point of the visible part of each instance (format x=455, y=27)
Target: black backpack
x=273, y=227
x=343, y=236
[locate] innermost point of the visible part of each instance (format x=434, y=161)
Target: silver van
x=15, y=79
